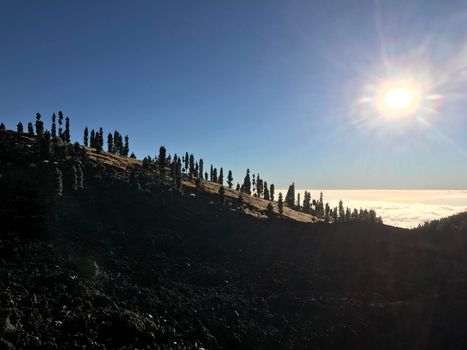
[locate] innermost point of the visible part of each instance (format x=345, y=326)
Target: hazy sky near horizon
x=276, y=86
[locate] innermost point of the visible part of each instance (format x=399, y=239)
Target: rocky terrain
x=127, y=262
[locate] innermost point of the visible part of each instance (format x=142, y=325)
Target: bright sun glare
x=398, y=99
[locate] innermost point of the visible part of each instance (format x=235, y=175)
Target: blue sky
x=270, y=85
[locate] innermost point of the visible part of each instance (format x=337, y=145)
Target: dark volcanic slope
x=110, y=267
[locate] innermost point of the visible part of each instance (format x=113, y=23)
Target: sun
x=398, y=98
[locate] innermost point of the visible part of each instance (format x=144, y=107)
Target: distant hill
x=99, y=252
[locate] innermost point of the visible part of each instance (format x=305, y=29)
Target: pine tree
x=110, y=142
x=259, y=187
x=212, y=173
x=162, y=162
x=201, y=168
x=101, y=138
x=98, y=142
x=220, y=179
x=327, y=211
x=67, y=129
x=39, y=125
x=186, y=160
x=266, y=191
x=247, y=183
x=271, y=192
x=348, y=215
x=86, y=137
x=230, y=179
x=280, y=204
x=19, y=128
x=92, y=140
x=341, y=211
x=53, y=129
x=298, y=202
x=306, y=202
x=290, y=196
x=60, y=123
x=334, y=215
x=2, y=127
x=238, y=187
x=30, y=129
x=206, y=176
x=355, y=215
x=132, y=155
x=126, y=147
x=191, y=166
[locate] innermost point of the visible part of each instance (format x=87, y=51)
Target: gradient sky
x=275, y=86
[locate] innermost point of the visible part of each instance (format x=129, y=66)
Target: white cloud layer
x=402, y=208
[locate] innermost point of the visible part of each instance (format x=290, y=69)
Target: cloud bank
x=402, y=208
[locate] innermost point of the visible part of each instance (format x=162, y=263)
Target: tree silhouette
x=132, y=155
x=92, y=139
x=66, y=134
x=271, y=192
x=201, y=168
x=60, y=123
x=341, y=211
x=53, y=129
x=238, y=187
x=230, y=179
x=2, y=127
x=298, y=201
x=19, y=128
x=30, y=129
x=110, y=142
x=220, y=179
x=290, y=196
x=162, y=162
x=39, y=125
x=126, y=146
x=86, y=136
x=280, y=204
x=247, y=183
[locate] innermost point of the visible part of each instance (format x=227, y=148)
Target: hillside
x=123, y=260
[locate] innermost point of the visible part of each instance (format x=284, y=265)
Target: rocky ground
x=110, y=268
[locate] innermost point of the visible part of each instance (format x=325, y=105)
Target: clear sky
x=281, y=87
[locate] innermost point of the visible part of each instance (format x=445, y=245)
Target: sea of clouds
x=402, y=208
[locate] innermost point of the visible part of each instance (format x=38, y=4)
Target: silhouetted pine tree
x=355, y=215
x=110, y=142
x=2, y=127
x=306, y=202
x=206, y=176
x=191, y=166
x=60, y=123
x=271, y=192
x=162, y=162
x=290, y=196
x=53, y=129
x=334, y=215
x=30, y=129
x=280, y=204
x=132, y=155
x=126, y=146
x=19, y=128
x=92, y=140
x=298, y=202
x=266, y=191
x=86, y=137
x=341, y=211
x=98, y=142
x=254, y=184
x=230, y=179
x=66, y=134
x=259, y=186
x=201, y=168
x=247, y=183
x=211, y=177
x=101, y=137
x=348, y=215
x=220, y=179
x=39, y=125
x=238, y=187
x=214, y=175
x=186, y=161
x=327, y=211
